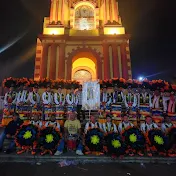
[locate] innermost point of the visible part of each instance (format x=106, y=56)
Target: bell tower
x=77, y=30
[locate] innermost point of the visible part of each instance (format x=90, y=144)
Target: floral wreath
x=115, y=144
x=26, y=136
x=134, y=138
x=49, y=139
x=156, y=138
x=94, y=140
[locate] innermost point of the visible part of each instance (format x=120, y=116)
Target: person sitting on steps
x=9, y=132
x=72, y=130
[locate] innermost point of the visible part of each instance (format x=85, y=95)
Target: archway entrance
x=84, y=69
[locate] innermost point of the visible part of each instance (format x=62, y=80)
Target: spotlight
x=141, y=78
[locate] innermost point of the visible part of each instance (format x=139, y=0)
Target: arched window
x=84, y=18
x=82, y=75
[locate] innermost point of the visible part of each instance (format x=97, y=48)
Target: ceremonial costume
x=54, y=124
x=122, y=126
x=146, y=127
x=72, y=101
x=34, y=99
x=23, y=97
x=23, y=105
x=59, y=100
x=166, y=126
x=37, y=123
x=157, y=106
x=117, y=100
x=90, y=125
x=47, y=99
x=144, y=104
x=10, y=98
x=105, y=99
x=109, y=127
x=81, y=113
x=9, y=106
x=171, y=103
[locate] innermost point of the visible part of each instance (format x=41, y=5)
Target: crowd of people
x=45, y=109
x=73, y=131
x=141, y=100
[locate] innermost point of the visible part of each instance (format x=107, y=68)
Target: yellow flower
x=133, y=138
x=49, y=138
x=159, y=140
x=95, y=139
x=27, y=135
x=116, y=143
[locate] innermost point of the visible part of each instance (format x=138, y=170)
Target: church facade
x=83, y=40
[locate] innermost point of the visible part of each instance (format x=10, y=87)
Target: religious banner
x=91, y=96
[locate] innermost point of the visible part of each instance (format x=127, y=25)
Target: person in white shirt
x=166, y=125
x=145, y=127
x=148, y=125
x=53, y=123
x=59, y=98
x=125, y=123
x=92, y=124
x=157, y=102
x=10, y=96
x=71, y=98
x=117, y=96
x=23, y=96
x=109, y=127
x=47, y=96
x=34, y=96
x=105, y=98
x=35, y=121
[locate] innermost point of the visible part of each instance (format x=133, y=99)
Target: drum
x=71, y=142
x=172, y=117
x=116, y=109
x=24, y=111
x=71, y=108
x=157, y=115
x=144, y=110
x=59, y=112
x=36, y=109
x=48, y=111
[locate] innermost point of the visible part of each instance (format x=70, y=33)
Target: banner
x=91, y=96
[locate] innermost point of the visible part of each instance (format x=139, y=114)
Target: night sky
x=151, y=24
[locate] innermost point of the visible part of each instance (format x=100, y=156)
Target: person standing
x=79, y=105
x=72, y=100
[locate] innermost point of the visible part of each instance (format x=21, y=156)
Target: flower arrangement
x=26, y=136
x=94, y=140
x=134, y=138
x=115, y=144
x=160, y=85
x=17, y=82
x=49, y=139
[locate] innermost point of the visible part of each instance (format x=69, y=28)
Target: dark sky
x=151, y=24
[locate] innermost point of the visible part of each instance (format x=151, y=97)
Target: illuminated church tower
x=83, y=40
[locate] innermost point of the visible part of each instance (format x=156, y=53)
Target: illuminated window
x=82, y=75
x=84, y=18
